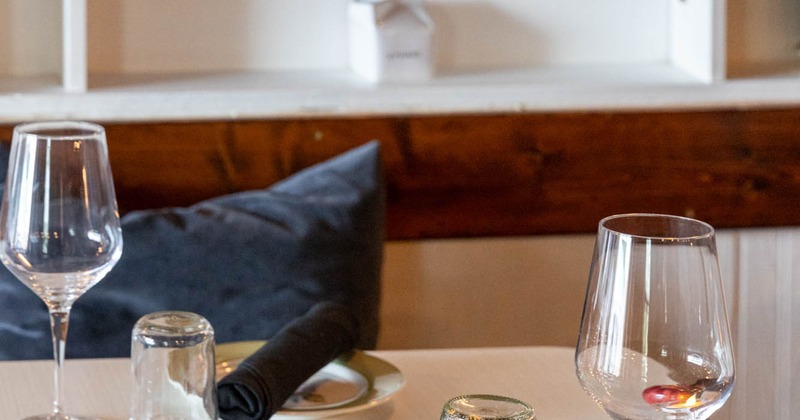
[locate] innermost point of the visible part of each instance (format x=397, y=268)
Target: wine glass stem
x=59, y=322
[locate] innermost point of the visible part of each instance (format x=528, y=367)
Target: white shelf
x=340, y=93
x=127, y=61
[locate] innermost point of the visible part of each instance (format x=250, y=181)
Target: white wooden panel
x=767, y=325
x=73, y=68
x=754, y=333
x=728, y=252
x=787, y=325
x=697, y=37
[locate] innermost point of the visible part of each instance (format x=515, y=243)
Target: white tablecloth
x=542, y=376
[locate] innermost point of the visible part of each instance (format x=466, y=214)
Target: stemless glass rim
x=708, y=231
x=523, y=410
x=45, y=129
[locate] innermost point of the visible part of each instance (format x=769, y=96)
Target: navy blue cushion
x=249, y=262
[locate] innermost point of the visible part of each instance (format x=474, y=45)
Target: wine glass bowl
x=654, y=340
x=59, y=225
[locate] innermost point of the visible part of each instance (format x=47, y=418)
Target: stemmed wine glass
x=59, y=224
x=654, y=340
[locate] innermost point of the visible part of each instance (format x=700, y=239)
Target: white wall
x=530, y=291
x=762, y=268
x=484, y=292
x=209, y=35
x=142, y=36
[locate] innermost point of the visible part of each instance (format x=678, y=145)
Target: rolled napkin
x=263, y=382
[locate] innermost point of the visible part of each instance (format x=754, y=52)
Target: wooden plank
x=491, y=175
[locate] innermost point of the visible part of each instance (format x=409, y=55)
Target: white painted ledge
x=333, y=93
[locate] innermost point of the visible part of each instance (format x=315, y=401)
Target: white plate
x=333, y=386
x=344, y=375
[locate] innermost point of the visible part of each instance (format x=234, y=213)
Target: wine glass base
x=60, y=417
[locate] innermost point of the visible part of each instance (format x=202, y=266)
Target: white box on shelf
x=390, y=40
x=697, y=38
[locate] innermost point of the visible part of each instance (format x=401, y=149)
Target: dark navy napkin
x=264, y=381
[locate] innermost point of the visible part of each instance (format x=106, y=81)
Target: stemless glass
x=174, y=369
x=59, y=224
x=654, y=340
x=486, y=407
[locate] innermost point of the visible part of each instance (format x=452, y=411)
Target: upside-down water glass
x=173, y=365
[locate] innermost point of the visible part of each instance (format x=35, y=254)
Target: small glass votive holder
x=486, y=407
x=172, y=358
